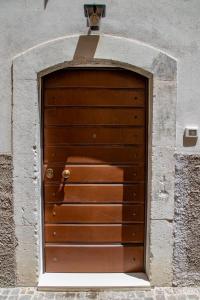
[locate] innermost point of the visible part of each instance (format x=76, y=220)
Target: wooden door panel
x=98, y=173
x=94, y=97
x=94, y=116
x=94, y=233
x=95, y=135
x=88, y=213
x=83, y=258
x=94, y=126
x=94, y=78
x=97, y=193
x=94, y=154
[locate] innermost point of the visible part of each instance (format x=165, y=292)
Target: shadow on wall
x=45, y=3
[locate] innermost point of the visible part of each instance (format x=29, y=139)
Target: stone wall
x=187, y=221
x=7, y=240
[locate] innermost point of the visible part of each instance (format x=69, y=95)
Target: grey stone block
x=160, y=297
x=181, y=297
x=171, y=297
x=5, y=291
x=15, y=291
x=3, y=297
x=25, y=297
x=164, y=67
x=84, y=295
x=193, y=297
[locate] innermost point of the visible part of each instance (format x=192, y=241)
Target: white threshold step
x=64, y=281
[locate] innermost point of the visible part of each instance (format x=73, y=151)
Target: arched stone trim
x=160, y=68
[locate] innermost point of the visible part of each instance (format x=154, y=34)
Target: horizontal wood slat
x=94, y=233
x=60, y=258
x=100, y=78
x=96, y=193
x=94, y=97
x=88, y=213
x=98, y=173
x=94, y=154
x=56, y=135
x=94, y=116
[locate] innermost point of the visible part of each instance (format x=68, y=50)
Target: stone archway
x=28, y=68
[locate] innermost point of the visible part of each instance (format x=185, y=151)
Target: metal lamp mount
x=94, y=13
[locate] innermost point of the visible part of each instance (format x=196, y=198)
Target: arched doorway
x=28, y=69
x=95, y=170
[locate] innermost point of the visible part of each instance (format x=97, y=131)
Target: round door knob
x=66, y=174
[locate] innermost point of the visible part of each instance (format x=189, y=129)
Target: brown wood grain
x=114, y=233
x=93, y=135
x=94, y=97
x=94, y=154
x=98, y=78
x=94, y=116
x=98, y=173
x=95, y=193
x=94, y=213
x=83, y=258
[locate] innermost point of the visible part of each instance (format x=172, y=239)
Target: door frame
x=28, y=69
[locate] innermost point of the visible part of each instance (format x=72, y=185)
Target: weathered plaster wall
x=172, y=27
x=7, y=239
x=187, y=221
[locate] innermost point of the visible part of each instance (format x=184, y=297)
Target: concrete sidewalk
x=128, y=294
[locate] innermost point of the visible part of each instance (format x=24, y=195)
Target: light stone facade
x=157, y=40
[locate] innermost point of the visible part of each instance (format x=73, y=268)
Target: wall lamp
x=94, y=13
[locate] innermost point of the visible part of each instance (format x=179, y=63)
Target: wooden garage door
x=94, y=170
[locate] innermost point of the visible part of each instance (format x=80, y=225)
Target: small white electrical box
x=191, y=132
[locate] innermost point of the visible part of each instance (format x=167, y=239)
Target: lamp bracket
x=99, y=8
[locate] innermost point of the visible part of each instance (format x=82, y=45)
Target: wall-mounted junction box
x=191, y=132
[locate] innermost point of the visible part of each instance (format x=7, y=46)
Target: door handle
x=66, y=174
